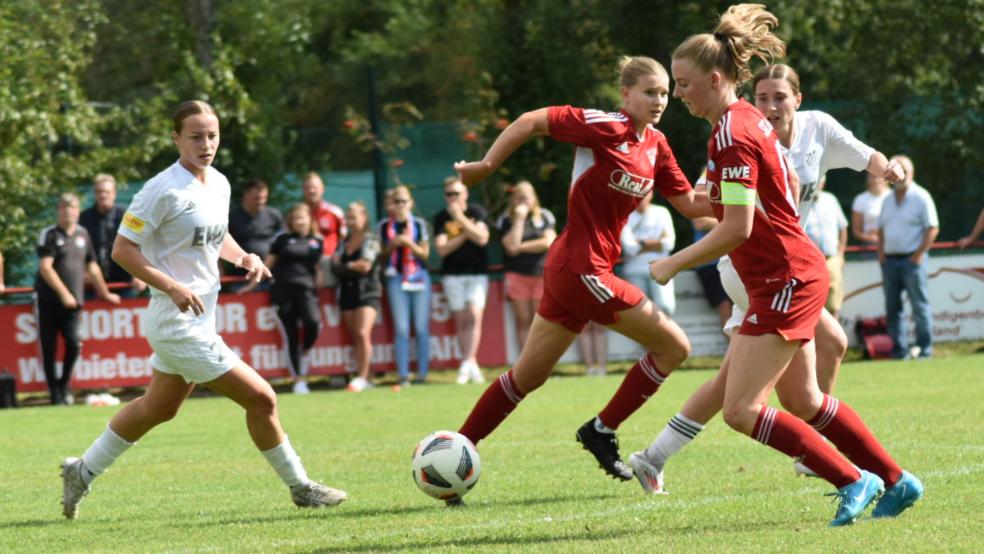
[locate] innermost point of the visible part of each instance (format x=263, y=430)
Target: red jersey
x=614, y=168
x=331, y=224
x=744, y=156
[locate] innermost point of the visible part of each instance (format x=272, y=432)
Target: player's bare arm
x=518, y=132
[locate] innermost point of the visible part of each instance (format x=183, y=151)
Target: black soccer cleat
x=604, y=447
x=455, y=502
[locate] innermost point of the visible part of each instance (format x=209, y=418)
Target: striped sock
x=679, y=431
x=641, y=382
x=792, y=436
x=495, y=405
x=844, y=427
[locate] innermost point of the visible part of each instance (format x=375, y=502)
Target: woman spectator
x=406, y=246
x=527, y=231
x=649, y=236
x=293, y=259
x=355, y=263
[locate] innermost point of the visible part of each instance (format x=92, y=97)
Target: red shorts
x=792, y=313
x=572, y=300
x=523, y=287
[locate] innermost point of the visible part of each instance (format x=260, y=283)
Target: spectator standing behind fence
x=101, y=221
x=329, y=220
x=66, y=256
x=647, y=236
x=3, y=287
x=527, y=231
x=356, y=264
x=253, y=224
x=907, y=227
x=406, y=246
x=293, y=259
x=866, y=208
x=461, y=235
x=962, y=243
x=827, y=228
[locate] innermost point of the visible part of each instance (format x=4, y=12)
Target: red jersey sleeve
x=668, y=177
x=737, y=164
x=584, y=127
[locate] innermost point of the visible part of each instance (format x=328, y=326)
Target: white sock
x=679, y=431
x=601, y=427
x=286, y=463
x=102, y=454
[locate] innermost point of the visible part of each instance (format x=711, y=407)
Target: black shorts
x=710, y=280
x=348, y=301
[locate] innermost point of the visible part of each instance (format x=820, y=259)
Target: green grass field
x=197, y=485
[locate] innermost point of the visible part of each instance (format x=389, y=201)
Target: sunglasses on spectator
x=451, y=193
x=400, y=200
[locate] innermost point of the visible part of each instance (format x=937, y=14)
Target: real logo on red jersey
x=630, y=184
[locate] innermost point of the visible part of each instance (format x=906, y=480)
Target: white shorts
x=185, y=344
x=736, y=292
x=465, y=289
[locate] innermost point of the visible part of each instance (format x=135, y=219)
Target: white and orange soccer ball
x=446, y=465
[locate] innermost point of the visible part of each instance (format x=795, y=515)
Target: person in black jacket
x=356, y=264
x=101, y=221
x=293, y=260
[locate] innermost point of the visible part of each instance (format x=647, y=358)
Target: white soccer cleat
x=301, y=387
x=315, y=495
x=802, y=470
x=73, y=487
x=649, y=476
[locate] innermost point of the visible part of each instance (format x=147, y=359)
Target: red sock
x=843, y=426
x=495, y=405
x=791, y=436
x=641, y=382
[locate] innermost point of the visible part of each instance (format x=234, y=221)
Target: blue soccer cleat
x=857, y=496
x=899, y=496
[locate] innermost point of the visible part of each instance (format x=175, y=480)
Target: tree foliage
x=86, y=86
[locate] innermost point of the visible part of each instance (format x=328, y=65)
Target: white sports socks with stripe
x=679, y=431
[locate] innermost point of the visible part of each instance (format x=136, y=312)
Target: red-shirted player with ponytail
x=784, y=273
x=619, y=158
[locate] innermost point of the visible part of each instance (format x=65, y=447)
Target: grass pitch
x=196, y=484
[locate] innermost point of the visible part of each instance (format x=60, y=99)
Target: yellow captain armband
x=736, y=194
x=133, y=223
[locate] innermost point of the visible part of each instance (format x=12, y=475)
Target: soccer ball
x=446, y=465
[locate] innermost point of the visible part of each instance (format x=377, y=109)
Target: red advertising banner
x=116, y=354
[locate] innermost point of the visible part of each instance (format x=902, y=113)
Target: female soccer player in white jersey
x=783, y=272
x=171, y=238
x=814, y=142
x=620, y=157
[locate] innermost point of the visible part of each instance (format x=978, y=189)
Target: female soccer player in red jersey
x=619, y=158
x=783, y=272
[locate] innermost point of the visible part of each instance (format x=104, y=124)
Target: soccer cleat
x=315, y=495
x=649, y=476
x=604, y=447
x=456, y=502
x=899, y=496
x=857, y=496
x=475, y=373
x=301, y=387
x=73, y=487
x=802, y=470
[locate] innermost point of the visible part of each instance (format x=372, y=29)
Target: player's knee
x=801, y=406
x=263, y=401
x=162, y=412
x=740, y=417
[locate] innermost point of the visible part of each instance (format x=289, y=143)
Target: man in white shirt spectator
x=907, y=227
x=647, y=236
x=827, y=227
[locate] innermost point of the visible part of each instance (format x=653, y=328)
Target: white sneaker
x=301, y=387
x=464, y=374
x=357, y=385
x=801, y=469
x=74, y=488
x=475, y=373
x=315, y=495
x=649, y=476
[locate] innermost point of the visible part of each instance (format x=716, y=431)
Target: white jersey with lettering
x=180, y=224
x=821, y=143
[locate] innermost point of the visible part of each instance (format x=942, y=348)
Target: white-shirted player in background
x=814, y=143
x=171, y=238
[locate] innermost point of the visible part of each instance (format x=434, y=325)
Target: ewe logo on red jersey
x=735, y=173
x=630, y=184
